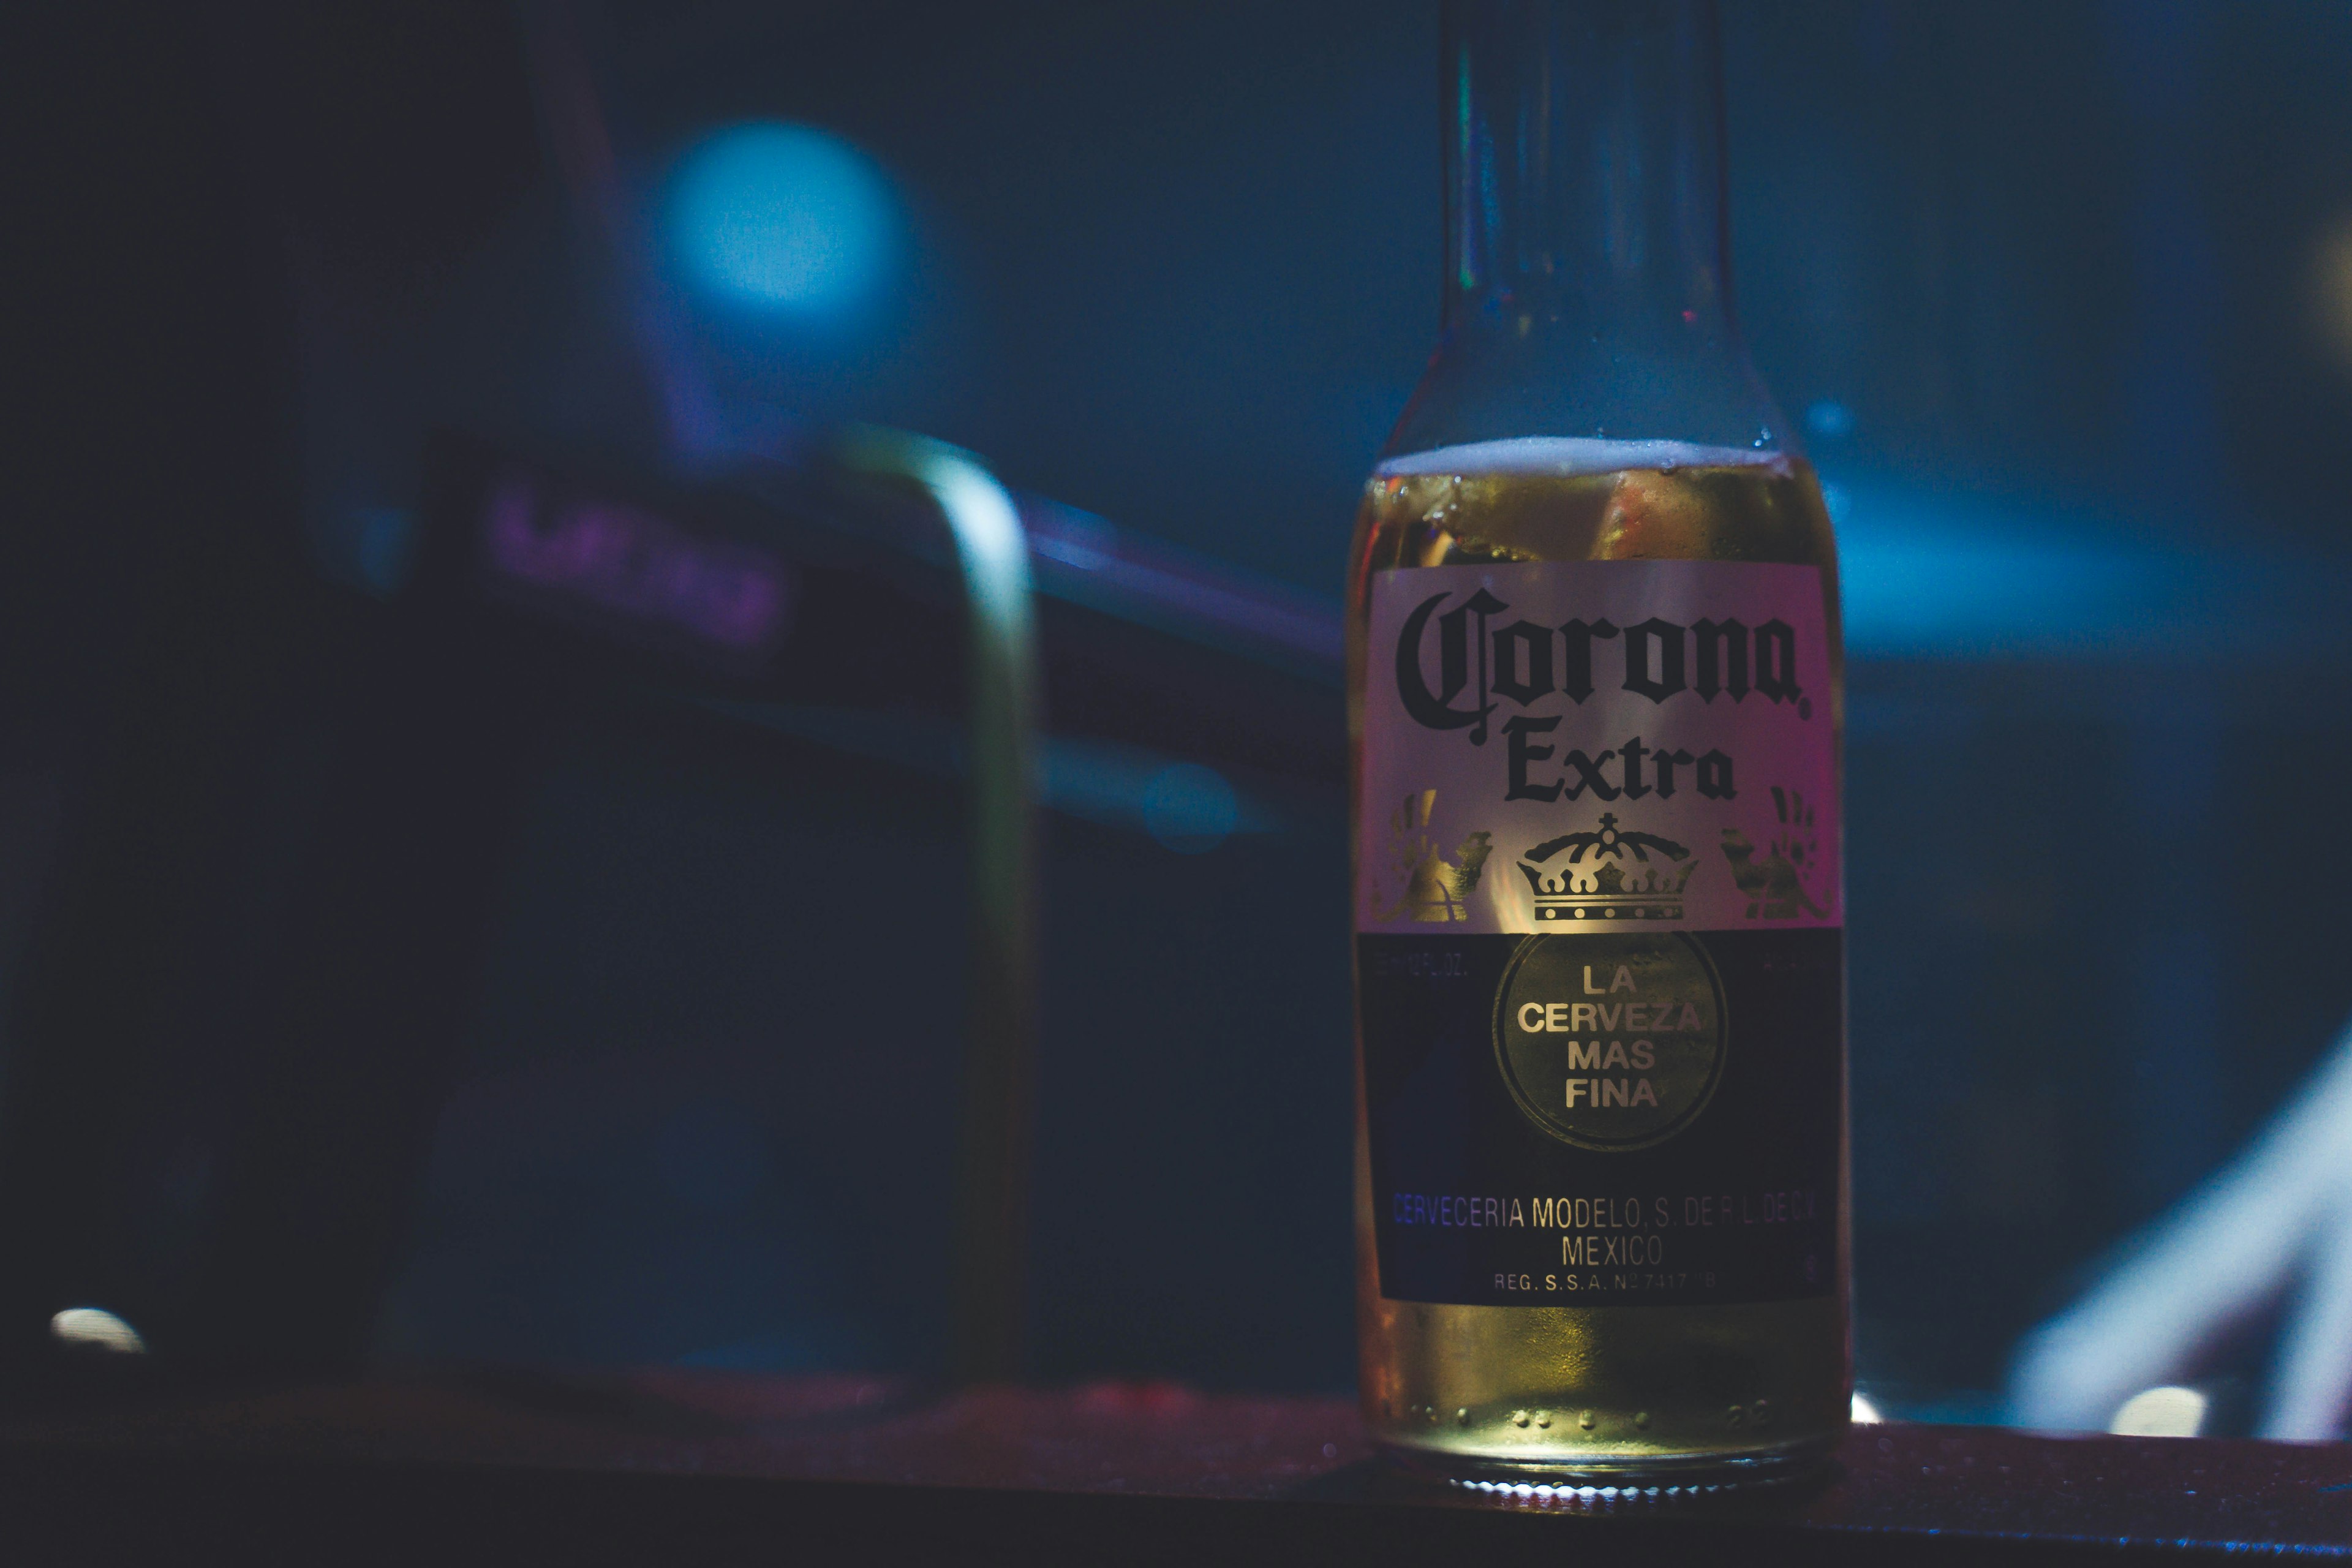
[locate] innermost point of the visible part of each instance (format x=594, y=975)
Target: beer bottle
x=1595, y=683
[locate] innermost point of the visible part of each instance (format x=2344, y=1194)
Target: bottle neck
x=1588, y=284
x=1584, y=166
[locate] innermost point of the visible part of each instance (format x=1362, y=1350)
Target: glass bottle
x=1595, y=708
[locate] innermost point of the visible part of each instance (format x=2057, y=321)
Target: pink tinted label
x=1603, y=746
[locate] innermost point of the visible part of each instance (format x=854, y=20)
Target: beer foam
x=1566, y=457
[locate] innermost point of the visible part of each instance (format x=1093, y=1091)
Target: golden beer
x=1650, y=1394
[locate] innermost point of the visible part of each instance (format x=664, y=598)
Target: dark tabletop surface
x=693, y=1467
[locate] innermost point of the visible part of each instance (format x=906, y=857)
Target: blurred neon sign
x=629, y=562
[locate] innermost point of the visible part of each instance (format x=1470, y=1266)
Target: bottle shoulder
x=1581, y=499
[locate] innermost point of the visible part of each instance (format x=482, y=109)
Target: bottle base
x=1615, y=1479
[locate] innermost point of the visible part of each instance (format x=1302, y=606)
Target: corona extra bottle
x=1595, y=704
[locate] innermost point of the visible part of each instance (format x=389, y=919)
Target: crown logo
x=1608, y=893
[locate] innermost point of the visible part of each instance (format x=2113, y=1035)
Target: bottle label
x=1599, y=958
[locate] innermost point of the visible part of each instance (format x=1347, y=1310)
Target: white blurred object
x=2167, y=1412
x=2277, y=1220
x=96, y=1327
x=1865, y=1413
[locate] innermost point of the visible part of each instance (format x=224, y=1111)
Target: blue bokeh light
x=1936, y=576
x=1190, y=808
x=1930, y=572
x=1830, y=419
x=784, y=219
